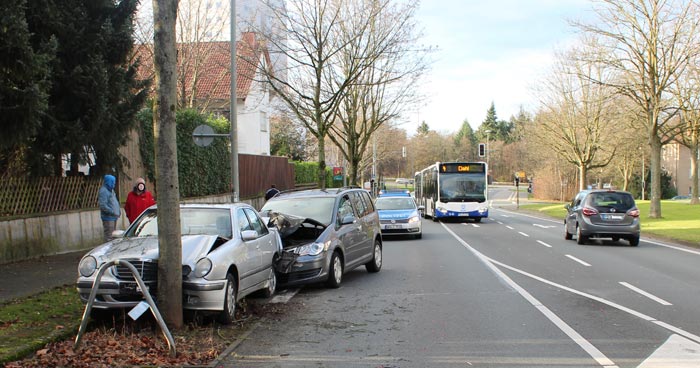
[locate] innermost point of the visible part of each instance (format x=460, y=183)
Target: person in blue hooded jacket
x=109, y=206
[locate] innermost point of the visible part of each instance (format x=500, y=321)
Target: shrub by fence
x=24, y=196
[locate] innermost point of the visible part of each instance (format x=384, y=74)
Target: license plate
x=464, y=213
x=393, y=226
x=610, y=217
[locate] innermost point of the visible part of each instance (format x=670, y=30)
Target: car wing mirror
x=118, y=233
x=247, y=235
x=347, y=220
x=567, y=206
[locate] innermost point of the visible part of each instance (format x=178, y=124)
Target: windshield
x=193, y=221
x=461, y=187
x=317, y=208
x=395, y=203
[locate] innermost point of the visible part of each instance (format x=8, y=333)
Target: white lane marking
x=499, y=222
x=523, y=234
x=472, y=225
x=510, y=227
x=578, y=260
x=648, y=295
x=677, y=352
x=545, y=244
x=475, y=225
x=633, y=312
x=544, y=226
x=505, y=215
x=596, y=354
x=696, y=252
x=672, y=247
x=530, y=216
x=284, y=297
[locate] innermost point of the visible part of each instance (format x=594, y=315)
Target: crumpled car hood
x=194, y=247
x=288, y=224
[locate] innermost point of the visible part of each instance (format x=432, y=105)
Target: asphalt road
x=507, y=292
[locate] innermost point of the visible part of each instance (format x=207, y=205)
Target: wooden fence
x=27, y=197
x=23, y=196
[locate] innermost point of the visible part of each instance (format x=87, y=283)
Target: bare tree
x=383, y=90
x=688, y=94
x=312, y=39
x=575, y=121
x=648, y=44
x=167, y=184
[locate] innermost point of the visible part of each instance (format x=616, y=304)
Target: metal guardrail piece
x=142, y=285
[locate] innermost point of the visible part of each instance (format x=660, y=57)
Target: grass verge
x=680, y=221
x=30, y=323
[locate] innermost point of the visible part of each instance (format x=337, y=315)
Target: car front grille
x=298, y=276
x=395, y=221
x=147, y=270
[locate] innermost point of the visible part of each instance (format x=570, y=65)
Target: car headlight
x=413, y=219
x=483, y=209
x=313, y=249
x=87, y=266
x=203, y=267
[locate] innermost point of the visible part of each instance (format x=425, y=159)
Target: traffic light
x=482, y=150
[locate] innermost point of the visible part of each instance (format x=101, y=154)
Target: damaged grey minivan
x=325, y=233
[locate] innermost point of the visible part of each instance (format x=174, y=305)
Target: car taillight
x=633, y=212
x=587, y=211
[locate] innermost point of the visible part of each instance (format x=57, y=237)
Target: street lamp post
x=488, y=167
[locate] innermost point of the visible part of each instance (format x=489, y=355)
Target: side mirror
x=247, y=235
x=567, y=206
x=118, y=233
x=347, y=220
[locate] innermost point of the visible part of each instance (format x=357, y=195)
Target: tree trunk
x=694, y=173
x=655, y=174
x=167, y=184
x=321, y=163
x=583, y=176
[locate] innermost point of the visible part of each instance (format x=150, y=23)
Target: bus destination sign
x=462, y=168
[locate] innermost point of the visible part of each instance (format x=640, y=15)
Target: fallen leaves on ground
x=121, y=342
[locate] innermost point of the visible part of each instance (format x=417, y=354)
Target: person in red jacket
x=138, y=200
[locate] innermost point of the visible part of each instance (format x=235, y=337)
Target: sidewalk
x=28, y=277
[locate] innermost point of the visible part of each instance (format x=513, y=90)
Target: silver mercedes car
x=227, y=254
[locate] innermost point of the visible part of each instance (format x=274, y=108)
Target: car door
x=266, y=246
x=350, y=233
x=571, y=213
x=248, y=258
x=364, y=212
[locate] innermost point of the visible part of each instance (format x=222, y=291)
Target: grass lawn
x=680, y=221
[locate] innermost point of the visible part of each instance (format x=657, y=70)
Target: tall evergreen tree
x=24, y=74
x=423, y=129
x=94, y=94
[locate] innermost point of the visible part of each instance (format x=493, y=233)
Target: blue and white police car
x=398, y=214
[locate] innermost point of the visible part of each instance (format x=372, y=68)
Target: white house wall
x=254, y=120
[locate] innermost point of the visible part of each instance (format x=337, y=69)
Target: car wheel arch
x=233, y=270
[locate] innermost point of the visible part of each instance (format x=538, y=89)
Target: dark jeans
x=109, y=227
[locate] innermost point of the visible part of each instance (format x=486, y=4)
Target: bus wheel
x=434, y=217
x=477, y=219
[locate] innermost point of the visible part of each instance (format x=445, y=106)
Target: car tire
x=269, y=291
x=335, y=271
x=434, y=217
x=567, y=234
x=580, y=238
x=477, y=219
x=418, y=236
x=634, y=241
x=375, y=264
x=228, y=315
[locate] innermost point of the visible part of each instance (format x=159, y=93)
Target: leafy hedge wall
x=307, y=172
x=202, y=170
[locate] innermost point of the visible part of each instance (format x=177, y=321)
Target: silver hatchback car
x=602, y=214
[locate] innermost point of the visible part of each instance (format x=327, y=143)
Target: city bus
x=453, y=190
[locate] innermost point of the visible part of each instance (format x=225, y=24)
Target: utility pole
x=235, y=186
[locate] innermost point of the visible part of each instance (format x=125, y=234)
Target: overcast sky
x=489, y=51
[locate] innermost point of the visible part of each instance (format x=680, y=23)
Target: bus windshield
x=462, y=187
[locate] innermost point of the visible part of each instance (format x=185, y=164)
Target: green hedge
x=202, y=170
x=307, y=172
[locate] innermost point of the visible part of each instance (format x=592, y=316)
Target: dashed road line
x=545, y=244
x=648, y=295
x=510, y=227
x=523, y=234
x=578, y=260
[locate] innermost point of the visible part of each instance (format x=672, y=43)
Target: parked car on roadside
x=227, y=254
x=325, y=233
x=602, y=214
x=398, y=214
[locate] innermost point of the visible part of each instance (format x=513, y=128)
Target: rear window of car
x=619, y=201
